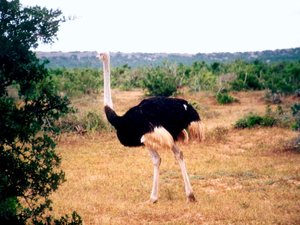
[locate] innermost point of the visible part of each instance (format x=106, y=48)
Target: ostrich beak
x=100, y=56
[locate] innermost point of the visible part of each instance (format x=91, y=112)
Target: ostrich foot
x=152, y=200
x=149, y=202
x=191, y=198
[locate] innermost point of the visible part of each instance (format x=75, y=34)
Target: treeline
x=89, y=60
x=167, y=79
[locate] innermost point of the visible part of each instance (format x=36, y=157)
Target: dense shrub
x=252, y=120
x=245, y=81
x=225, y=98
x=160, y=81
x=82, y=123
x=127, y=78
x=281, y=117
x=237, y=85
x=93, y=121
x=77, y=82
x=203, y=80
x=280, y=78
x=296, y=114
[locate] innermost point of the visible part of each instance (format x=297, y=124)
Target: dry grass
x=238, y=176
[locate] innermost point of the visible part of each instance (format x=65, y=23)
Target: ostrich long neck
x=111, y=115
x=107, y=90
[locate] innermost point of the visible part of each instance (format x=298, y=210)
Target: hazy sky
x=176, y=26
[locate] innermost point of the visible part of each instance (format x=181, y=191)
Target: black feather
x=111, y=116
x=171, y=113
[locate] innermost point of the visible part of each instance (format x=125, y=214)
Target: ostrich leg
x=187, y=185
x=156, y=163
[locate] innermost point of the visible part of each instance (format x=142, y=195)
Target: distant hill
x=88, y=59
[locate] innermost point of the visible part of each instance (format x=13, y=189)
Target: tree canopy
x=29, y=109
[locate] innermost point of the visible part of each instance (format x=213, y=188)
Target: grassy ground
x=238, y=176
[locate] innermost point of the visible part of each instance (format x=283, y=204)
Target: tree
x=29, y=165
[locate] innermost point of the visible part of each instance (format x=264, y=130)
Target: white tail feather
x=159, y=138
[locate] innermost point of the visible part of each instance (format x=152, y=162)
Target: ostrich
x=155, y=123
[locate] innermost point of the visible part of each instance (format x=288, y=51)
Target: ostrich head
x=104, y=57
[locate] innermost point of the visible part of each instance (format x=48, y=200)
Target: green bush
x=252, y=120
x=253, y=82
x=296, y=114
x=127, y=78
x=225, y=98
x=246, y=82
x=160, y=82
x=202, y=80
x=83, y=122
x=268, y=121
x=248, y=121
x=282, y=77
x=237, y=85
x=93, y=121
x=77, y=82
x=279, y=77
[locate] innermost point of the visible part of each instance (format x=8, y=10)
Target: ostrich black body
x=171, y=113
